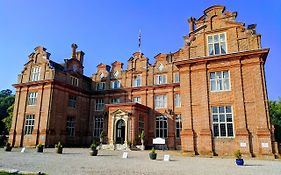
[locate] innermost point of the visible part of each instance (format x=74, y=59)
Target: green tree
x=275, y=115
x=8, y=120
x=6, y=100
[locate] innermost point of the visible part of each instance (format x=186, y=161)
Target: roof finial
x=139, y=41
x=74, y=47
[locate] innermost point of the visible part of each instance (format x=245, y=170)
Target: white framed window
x=137, y=100
x=99, y=105
x=141, y=124
x=137, y=81
x=176, y=77
x=177, y=100
x=161, y=126
x=72, y=101
x=32, y=98
x=74, y=81
x=29, y=124
x=160, y=101
x=115, y=84
x=220, y=81
x=100, y=86
x=115, y=100
x=217, y=44
x=178, y=126
x=222, y=119
x=98, y=126
x=35, y=74
x=160, y=79
x=70, y=126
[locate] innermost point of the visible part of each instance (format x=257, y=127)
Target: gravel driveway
x=75, y=161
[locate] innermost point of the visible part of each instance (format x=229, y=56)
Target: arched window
x=161, y=126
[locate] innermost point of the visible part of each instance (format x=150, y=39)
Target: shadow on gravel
x=253, y=165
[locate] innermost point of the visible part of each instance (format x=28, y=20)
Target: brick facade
x=215, y=82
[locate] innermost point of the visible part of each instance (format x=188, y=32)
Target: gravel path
x=76, y=161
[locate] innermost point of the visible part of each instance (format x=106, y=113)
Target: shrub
x=93, y=146
x=238, y=154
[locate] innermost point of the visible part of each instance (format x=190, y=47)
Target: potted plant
x=101, y=137
x=59, y=148
x=153, y=154
x=238, y=156
x=8, y=147
x=93, y=150
x=39, y=148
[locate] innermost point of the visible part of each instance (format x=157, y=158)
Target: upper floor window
x=32, y=98
x=29, y=124
x=217, y=44
x=35, y=74
x=160, y=79
x=115, y=84
x=99, y=105
x=176, y=77
x=74, y=81
x=160, y=101
x=100, y=86
x=177, y=100
x=219, y=81
x=137, y=100
x=178, y=126
x=115, y=100
x=222, y=121
x=72, y=101
x=137, y=81
x=70, y=126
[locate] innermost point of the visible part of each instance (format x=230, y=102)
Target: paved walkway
x=76, y=161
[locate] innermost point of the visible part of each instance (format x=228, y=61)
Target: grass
x=6, y=173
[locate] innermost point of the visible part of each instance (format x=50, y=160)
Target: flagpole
x=139, y=44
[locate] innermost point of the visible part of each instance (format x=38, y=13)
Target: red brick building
x=209, y=97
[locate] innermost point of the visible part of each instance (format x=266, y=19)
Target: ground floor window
x=222, y=121
x=98, y=126
x=178, y=126
x=161, y=126
x=29, y=124
x=70, y=126
x=141, y=124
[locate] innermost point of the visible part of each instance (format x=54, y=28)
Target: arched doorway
x=120, y=131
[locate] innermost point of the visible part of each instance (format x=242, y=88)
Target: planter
x=152, y=156
x=39, y=149
x=59, y=150
x=240, y=162
x=7, y=148
x=94, y=152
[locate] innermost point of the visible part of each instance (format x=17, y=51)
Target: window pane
x=223, y=48
x=228, y=109
x=219, y=85
x=222, y=118
x=228, y=117
x=216, y=38
x=215, y=118
x=210, y=39
x=211, y=49
x=212, y=75
x=217, y=48
x=222, y=37
x=223, y=130
x=221, y=109
x=230, y=130
x=226, y=84
x=214, y=109
x=216, y=130
x=219, y=75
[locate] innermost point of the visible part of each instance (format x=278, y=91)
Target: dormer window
x=137, y=81
x=35, y=74
x=217, y=44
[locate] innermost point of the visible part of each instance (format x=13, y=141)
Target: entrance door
x=120, y=132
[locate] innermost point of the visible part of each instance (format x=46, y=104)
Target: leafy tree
x=8, y=120
x=6, y=100
x=275, y=115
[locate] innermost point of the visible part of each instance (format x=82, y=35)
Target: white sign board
x=243, y=144
x=125, y=155
x=264, y=145
x=22, y=150
x=158, y=141
x=166, y=157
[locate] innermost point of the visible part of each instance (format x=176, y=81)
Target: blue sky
x=108, y=30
